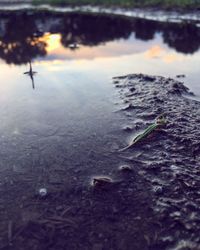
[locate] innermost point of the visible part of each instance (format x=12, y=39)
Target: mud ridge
x=170, y=158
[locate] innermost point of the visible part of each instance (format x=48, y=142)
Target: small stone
x=180, y=76
x=158, y=190
x=167, y=239
x=132, y=89
x=175, y=214
x=188, y=226
x=101, y=182
x=125, y=168
x=42, y=192
x=127, y=128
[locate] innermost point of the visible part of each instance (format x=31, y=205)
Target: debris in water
x=127, y=128
x=180, y=76
x=160, y=121
x=101, y=182
x=74, y=46
x=42, y=192
x=125, y=168
x=158, y=190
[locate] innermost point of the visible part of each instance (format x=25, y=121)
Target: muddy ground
x=152, y=204
x=169, y=161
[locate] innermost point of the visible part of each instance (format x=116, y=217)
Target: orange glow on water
x=52, y=41
x=154, y=52
x=167, y=56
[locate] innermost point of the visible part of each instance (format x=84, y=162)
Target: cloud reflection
x=48, y=37
x=166, y=55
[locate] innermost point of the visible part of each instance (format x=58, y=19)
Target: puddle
x=65, y=124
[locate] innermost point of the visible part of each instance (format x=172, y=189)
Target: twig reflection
x=31, y=73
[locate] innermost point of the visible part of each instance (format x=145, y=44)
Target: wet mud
x=169, y=159
x=146, y=197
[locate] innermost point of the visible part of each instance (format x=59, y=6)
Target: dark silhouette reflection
x=144, y=30
x=183, y=38
x=20, y=42
x=22, y=34
x=31, y=74
x=92, y=30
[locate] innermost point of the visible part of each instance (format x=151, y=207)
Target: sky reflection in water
x=119, y=57
x=73, y=79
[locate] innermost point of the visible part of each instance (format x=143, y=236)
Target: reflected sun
x=52, y=41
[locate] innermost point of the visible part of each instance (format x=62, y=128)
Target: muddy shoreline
x=168, y=160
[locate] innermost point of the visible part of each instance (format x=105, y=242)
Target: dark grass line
x=192, y=4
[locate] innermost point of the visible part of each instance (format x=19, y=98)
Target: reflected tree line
x=21, y=33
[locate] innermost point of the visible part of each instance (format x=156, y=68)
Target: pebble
x=42, y=192
x=125, y=168
x=101, y=182
x=158, y=190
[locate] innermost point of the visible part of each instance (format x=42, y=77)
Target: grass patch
x=192, y=4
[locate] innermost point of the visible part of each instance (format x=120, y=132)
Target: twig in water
x=160, y=121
